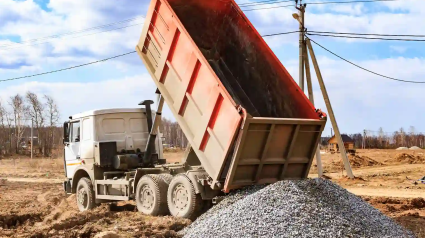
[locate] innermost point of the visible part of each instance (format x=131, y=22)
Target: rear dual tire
x=182, y=199
x=151, y=195
x=163, y=194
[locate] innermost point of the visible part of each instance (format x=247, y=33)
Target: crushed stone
x=302, y=208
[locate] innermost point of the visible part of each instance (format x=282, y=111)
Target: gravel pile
x=306, y=208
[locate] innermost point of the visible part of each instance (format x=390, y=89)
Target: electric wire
x=75, y=32
x=254, y=2
x=355, y=1
x=113, y=57
x=264, y=3
x=94, y=33
x=358, y=66
x=320, y=3
x=73, y=67
x=282, y=33
x=364, y=34
x=365, y=38
x=265, y=8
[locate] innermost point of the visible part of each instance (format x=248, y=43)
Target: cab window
x=75, y=131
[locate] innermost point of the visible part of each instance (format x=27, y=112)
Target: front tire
x=85, y=195
x=151, y=195
x=182, y=199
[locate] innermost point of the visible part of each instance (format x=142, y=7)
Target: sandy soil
x=43, y=210
x=32, y=203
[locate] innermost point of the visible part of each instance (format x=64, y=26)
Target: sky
x=359, y=99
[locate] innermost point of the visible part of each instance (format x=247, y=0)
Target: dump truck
x=245, y=118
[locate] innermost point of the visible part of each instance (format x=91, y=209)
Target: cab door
x=72, y=149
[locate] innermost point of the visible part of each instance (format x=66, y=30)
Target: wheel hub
x=147, y=197
x=180, y=197
x=82, y=196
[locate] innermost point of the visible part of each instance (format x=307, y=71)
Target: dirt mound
x=362, y=161
x=406, y=158
x=395, y=205
x=358, y=162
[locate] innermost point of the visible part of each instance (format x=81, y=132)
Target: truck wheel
x=85, y=194
x=182, y=199
x=151, y=195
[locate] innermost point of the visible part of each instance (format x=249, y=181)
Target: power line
x=73, y=67
x=358, y=66
x=254, y=2
x=263, y=3
x=44, y=42
x=364, y=34
x=255, y=9
x=75, y=32
x=366, y=38
x=283, y=33
x=316, y=3
x=355, y=1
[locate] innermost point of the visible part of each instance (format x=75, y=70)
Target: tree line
x=173, y=134
x=387, y=140
x=17, y=113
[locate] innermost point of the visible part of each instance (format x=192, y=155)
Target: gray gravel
x=305, y=208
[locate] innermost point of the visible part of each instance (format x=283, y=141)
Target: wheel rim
x=147, y=197
x=82, y=197
x=180, y=197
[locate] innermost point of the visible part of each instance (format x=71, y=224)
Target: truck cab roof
x=106, y=111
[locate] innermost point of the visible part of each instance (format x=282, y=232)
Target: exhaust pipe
x=153, y=129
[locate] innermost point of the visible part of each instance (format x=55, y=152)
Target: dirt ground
x=33, y=204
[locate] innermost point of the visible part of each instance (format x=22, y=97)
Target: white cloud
x=352, y=9
x=74, y=97
x=26, y=20
x=398, y=17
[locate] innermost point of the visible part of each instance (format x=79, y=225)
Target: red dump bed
x=245, y=117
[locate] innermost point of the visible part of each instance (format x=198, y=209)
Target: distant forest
x=17, y=111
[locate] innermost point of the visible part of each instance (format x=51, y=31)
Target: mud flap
x=67, y=187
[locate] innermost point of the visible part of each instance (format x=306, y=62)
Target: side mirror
x=65, y=132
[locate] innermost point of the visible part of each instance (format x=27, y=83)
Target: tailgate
x=273, y=149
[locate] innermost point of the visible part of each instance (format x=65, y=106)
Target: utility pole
x=300, y=18
x=311, y=98
x=32, y=128
x=330, y=112
x=364, y=139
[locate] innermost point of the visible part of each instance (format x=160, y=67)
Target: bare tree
x=52, y=115
x=19, y=111
x=3, y=133
x=9, y=121
x=36, y=112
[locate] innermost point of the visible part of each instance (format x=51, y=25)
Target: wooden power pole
x=330, y=111
x=300, y=18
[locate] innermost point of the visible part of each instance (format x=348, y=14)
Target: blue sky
x=360, y=100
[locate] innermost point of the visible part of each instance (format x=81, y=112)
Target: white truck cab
x=127, y=127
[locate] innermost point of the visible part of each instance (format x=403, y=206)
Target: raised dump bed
x=247, y=120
